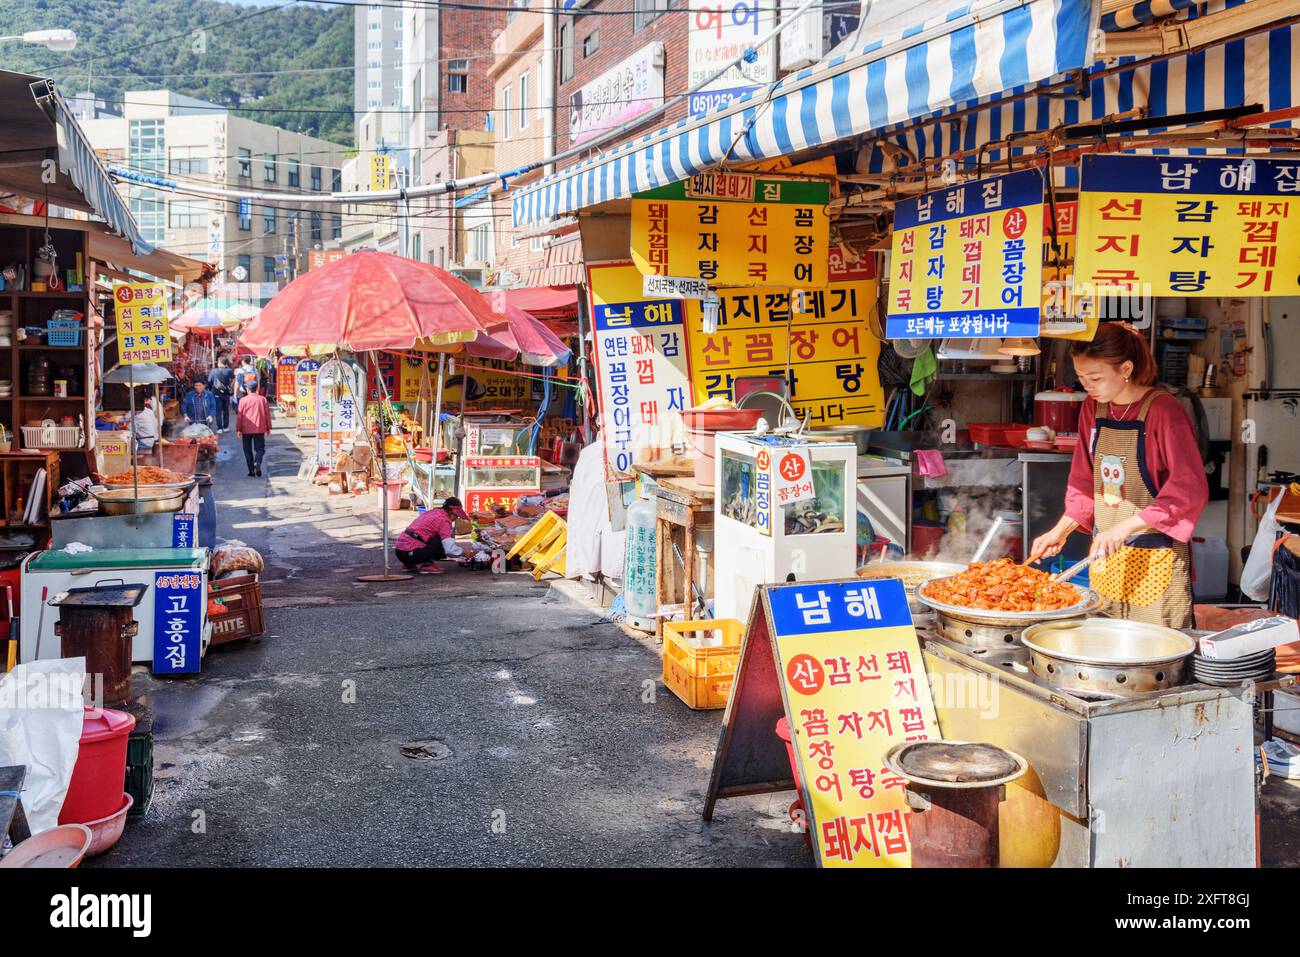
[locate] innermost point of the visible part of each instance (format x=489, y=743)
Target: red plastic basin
x=95, y=791
x=722, y=420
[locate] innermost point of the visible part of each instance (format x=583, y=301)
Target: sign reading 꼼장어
x=854, y=685
x=641, y=364
x=305, y=390
x=142, y=333
x=1189, y=226
x=967, y=262
x=735, y=229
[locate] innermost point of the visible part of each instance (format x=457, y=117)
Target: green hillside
x=132, y=44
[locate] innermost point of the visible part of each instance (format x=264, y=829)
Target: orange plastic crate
x=701, y=674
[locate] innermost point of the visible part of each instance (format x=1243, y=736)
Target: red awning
x=544, y=299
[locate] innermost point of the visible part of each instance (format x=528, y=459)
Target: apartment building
x=191, y=141
x=377, y=64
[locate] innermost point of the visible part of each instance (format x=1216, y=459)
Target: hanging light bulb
x=709, y=307
x=1019, y=346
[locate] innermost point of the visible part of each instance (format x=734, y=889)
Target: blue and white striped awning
x=1255, y=70
x=977, y=50
x=79, y=162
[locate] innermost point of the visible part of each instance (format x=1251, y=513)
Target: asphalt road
x=462, y=719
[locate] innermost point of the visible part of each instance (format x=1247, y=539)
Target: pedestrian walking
x=252, y=422
x=199, y=406
x=221, y=381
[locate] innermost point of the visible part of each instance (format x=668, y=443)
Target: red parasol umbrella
x=536, y=344
x=369, y=301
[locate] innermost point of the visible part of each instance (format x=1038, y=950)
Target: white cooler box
x=47, y=573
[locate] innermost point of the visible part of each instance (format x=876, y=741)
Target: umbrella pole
x=387, y=576
x=135, y=459
x=437, y=423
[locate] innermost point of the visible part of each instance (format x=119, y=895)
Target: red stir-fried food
x=1003, y=585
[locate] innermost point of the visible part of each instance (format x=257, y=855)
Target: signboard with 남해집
x=967, y=261
x=1189, y=226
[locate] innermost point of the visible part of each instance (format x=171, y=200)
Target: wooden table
x=12, y=819
x=682, y=506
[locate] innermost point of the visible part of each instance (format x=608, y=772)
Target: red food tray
x=998, y=433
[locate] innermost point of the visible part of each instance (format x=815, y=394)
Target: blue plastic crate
x=63, y=332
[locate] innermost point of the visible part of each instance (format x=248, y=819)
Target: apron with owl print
x=1149, y=579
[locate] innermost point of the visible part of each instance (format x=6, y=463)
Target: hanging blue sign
x=177, y=622
x=183, y=530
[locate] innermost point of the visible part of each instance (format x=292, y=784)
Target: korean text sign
x=285, y=380
x=734, y=229
x=178, y=600
x=642, y=364
x=1189, y=226
x=967, y=261
x=142, y=333
x=854, y=685
x=825, y=333
x=305, y=385
x=719, y=32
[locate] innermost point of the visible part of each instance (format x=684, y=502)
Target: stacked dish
x=6, y=328
x=1233, y=672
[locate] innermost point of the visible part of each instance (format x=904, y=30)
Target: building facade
x=377, y=45
x=190, y=141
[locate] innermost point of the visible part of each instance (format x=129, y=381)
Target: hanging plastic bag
x=1258, y=571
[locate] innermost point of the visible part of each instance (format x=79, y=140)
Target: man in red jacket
x=252, y=422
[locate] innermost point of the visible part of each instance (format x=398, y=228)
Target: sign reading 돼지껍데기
x=967, y=261
x=832, y=349
x=642, y=364
x=718, y=33
x=735, y=229
x=142, y=333
x=1189, y=226
x=854, y=685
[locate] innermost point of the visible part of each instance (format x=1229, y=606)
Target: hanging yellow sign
x=1188, y=226
x=142, y=333
x=378, y=171
x=825, y=334
x=734, y=229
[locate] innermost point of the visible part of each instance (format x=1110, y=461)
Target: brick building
x=592, y=45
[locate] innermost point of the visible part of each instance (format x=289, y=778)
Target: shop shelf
x=700, y=674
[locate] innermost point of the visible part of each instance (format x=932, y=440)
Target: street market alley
x=461, y=719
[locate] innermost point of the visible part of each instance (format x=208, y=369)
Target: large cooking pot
x=982, y=628
x=912, y=575
x=124, y=501
x=1108, y=656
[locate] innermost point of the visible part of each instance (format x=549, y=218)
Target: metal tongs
x=1084, y=563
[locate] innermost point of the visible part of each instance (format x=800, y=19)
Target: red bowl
x=722, y=420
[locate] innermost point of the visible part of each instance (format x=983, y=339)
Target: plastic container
x=927, y=538
x=63, y=332
x=242, y=617
x=95, y=790
x=998, y=433
x=704, y=442
x=721, y=420
x=639, y=560
x=700, y=660
x=107, y=831
x=393, y=490
x=796, y=809
x=1209, y=569
x=1058, y=409
x=180, y=457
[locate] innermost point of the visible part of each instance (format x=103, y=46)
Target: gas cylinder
x=639, y=560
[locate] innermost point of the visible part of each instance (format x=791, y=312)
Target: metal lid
x=955, y=763
x=101, y=596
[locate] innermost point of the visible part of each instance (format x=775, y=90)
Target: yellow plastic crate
x=699, y=674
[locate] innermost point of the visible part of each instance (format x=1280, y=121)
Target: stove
x=1156, y=779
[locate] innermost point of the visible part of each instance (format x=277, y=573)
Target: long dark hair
x=1115, y=344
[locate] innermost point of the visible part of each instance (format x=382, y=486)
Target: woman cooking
x=1137, y=483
